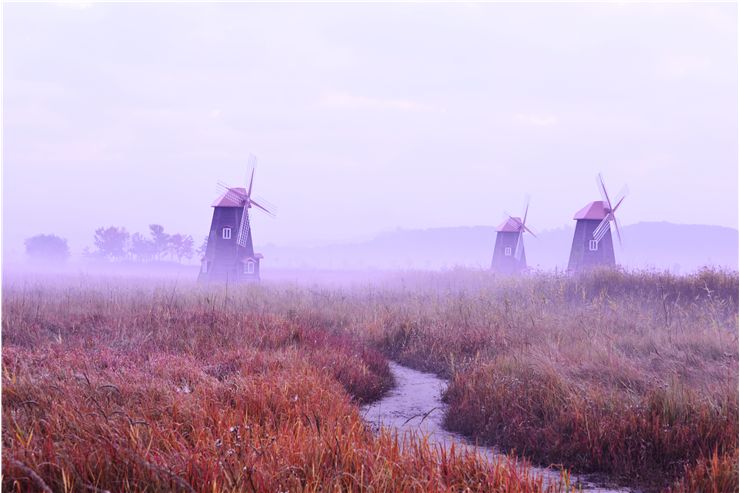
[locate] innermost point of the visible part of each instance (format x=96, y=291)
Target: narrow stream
x=415, y=404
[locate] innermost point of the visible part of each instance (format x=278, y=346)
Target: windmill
x=230, y=255
x=592, y=240
x=508, y=252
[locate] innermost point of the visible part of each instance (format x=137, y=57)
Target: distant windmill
x=508, y=252
x=230, y=254
x=592, y=240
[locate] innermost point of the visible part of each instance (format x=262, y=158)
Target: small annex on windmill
x=592, y=245
x=508, y=251
x=230, y=255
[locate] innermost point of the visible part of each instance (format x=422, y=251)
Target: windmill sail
x=241, y=239
x=605, y=225
x=602, y=228
x=519, y=246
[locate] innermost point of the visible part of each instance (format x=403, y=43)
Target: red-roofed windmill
x=230, y=255
x=508, y=252
x=592, y=240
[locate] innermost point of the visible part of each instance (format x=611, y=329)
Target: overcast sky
x=365, y=118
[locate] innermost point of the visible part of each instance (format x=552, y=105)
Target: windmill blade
x=231, y=193
x=601, y=231
x=266, y=203
x=522, y=226
x=238, y=197
x=602, y=228
x=618, y=204
x=235, y=196
x=227, y=190
x=251, y=181
x=519, y=247
x=223, y=186
x=618, y=228
x=515, y=219
x=508, y=217
x=602, y=189
x=252, y=202
x=620, y=197
x=529, y=230
x=251, y=163
x=241, y=238
x=526, y=211
x=251, y=166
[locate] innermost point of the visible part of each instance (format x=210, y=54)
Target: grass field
x=124, y=385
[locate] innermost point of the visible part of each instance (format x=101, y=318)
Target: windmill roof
x=229, y=200
x=511, y=225
x=593, y=210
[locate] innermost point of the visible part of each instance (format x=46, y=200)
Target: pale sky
x=365, y=118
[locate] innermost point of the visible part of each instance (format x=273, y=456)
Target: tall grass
x=630, y=374
x=634, y=375
x=130, y=388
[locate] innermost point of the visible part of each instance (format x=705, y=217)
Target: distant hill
x=659, y=245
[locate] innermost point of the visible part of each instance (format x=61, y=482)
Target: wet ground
x=415, y=405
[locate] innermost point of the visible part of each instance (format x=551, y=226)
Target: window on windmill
x=593, y=245
x=249, y=267
x=226, y=234
x=507, y=251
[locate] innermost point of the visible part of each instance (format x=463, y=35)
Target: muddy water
x=415, y=405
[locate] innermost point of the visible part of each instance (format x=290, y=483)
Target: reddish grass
x=538, y=413
x=630, y=374
x=715, y=474
x=123, y=390
x=633, y=375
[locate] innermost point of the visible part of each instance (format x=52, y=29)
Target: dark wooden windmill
x=508, y=252
x=592, y=241
x=230, y=255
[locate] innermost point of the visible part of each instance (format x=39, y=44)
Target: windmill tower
x=230, y=255
x=592, y=240
x=508, y=252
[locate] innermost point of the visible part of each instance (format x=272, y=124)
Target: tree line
x=117, y=244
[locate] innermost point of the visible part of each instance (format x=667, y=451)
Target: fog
x=364, y=118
